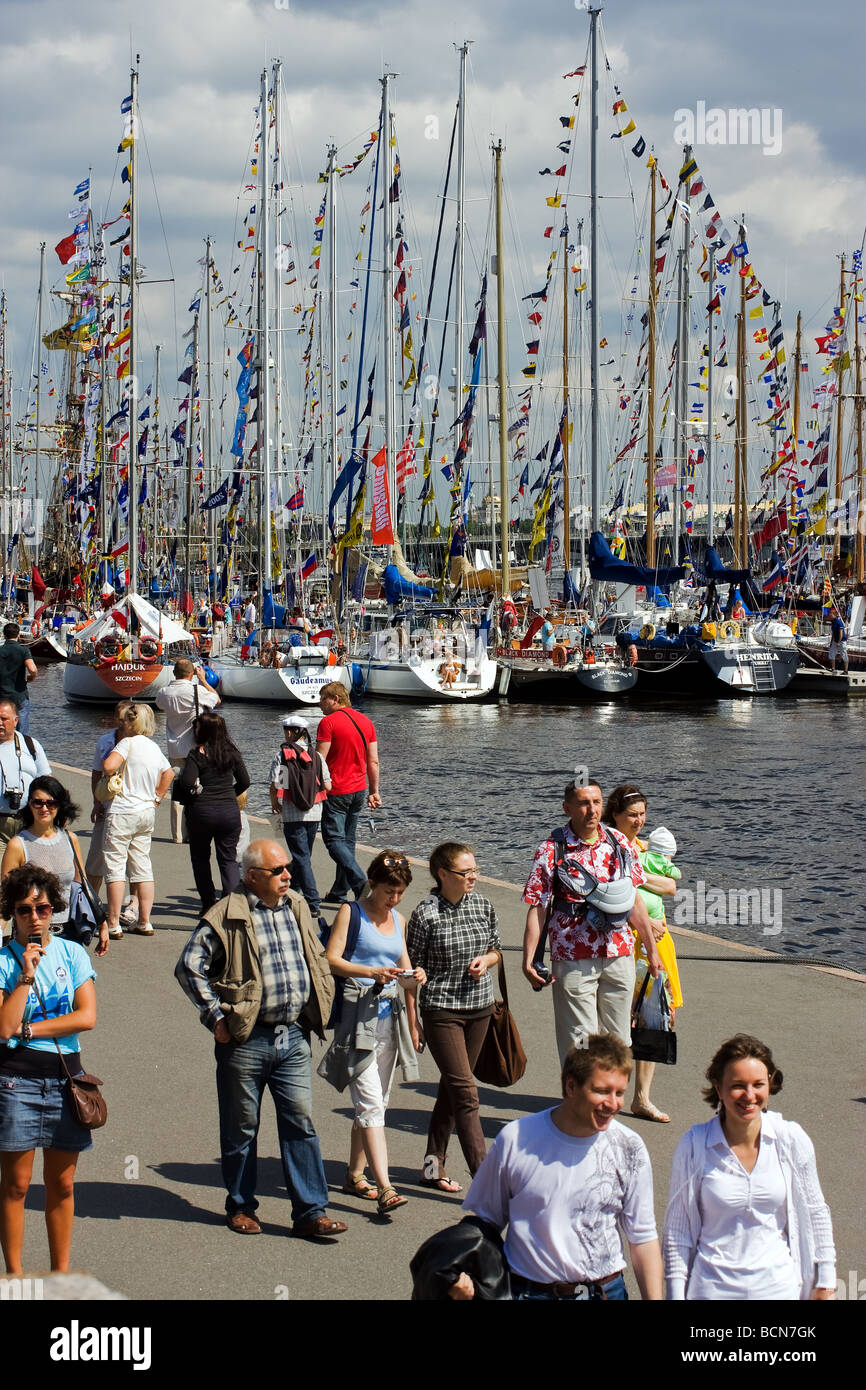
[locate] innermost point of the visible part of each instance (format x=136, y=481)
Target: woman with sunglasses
x=376, y=1029
x=45, y=840
x=453, y=937
x=46, y=1000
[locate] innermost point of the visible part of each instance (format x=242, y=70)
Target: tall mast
x=190, y=452
x=566, y=491
x=684, y=375
x=388, y=295
x=209, y=418
x=6, y=425
x=580, y=412
x=797, y=361
x=679, y=435
x=276, y=182
x=651, y=383
x=461, y=233
x=742, y=494
x=858, y=407
x=332, y=307
x=739, y=444
x=711, y=497
x=132, y=388
x=500, y=349
x=103, y=452
x=837, y=538
x=39, y=331
x=264, y=264
x=157, y=499
x=595, y=462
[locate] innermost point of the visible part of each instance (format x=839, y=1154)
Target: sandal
x=442, y=1184
x=142, y=929
x=390, y=1200
x=650, y=1112
x=359, y=1187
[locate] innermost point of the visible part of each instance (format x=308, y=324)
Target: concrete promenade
x=149, y=1195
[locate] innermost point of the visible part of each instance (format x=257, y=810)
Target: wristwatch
x=27, y=980
x=26, y=1032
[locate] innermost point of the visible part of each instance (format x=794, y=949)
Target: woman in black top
x=215, y=766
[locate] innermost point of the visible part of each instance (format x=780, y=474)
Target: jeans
x=615, y=1292
x=217, y=823
x=279, y=1058
x=340, y=816
x=24, y=716
x=300, y=838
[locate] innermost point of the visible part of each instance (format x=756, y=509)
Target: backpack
x=302, y=784
x=582, y=881
x=352, y=935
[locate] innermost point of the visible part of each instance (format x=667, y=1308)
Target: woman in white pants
x=130, y=815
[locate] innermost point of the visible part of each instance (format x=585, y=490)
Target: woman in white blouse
x=746, y=1218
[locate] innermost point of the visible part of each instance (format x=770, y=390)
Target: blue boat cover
x=604, y=565
x=397, y=588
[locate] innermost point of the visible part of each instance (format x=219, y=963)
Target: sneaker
x=142, y=929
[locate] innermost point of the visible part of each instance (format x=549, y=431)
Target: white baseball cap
x=295, y=721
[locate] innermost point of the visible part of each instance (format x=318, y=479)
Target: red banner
x=380, y=526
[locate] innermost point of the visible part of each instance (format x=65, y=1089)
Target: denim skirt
x=35, y=1113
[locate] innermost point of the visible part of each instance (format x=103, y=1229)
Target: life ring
x=648, y=631
x=730, y=628
x=149, y=650
x=35, y=628
x=559, y=654
x=108, y=651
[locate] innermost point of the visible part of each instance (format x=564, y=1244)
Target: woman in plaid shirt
x=453, y=936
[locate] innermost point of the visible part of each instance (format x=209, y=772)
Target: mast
x=739, y=444
x=461, y=233
x=332, y=306
x=103, y=453
x=209, y=418
x=742, y=516
x=500, y=348
x=39, y=331
x=579, y=432
x=837, y=529
x=711, y=498
x=858, y=407
x=132, y=389
x=566, y=492
x=157, y=499
x=679, y=441
x=595, y=462
x=6, y=424
x=190, y=453
x=684, y=378
x=651, y=384
x=278, y=294
x=388, y=296
x=264, y=261
x=797, y=361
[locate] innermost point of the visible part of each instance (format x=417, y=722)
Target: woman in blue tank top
x=376, y=1024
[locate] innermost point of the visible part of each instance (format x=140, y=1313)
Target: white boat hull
x=287, y=685
x=398, y=680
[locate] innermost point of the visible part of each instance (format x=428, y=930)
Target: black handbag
x=653, y=1044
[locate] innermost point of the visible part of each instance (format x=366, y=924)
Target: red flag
x=120, y=618
x=534, y=318
x=37, y=583
x=405, y=462
x=380, y=525
x=66, y=249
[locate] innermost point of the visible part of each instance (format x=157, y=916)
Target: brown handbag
x=502, y=1060
x=85, y=1098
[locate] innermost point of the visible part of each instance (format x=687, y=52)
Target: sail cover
x=397, y=588
x=604, y=565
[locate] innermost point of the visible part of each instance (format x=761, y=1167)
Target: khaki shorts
x=126, y=849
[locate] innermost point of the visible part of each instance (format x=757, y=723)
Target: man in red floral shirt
x=591, y=950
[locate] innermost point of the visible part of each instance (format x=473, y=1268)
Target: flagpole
x=190, y=454
x=264, y=352
x=504, y=499
x=39, y=327
x=595, y=462
x=837, y=526
x=461, y=239
x=710, y=479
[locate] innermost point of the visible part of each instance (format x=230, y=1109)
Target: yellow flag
x=757, y=312
x=555, y=201
x=538, y=522
x=627, y=129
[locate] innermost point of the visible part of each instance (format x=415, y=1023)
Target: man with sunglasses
x=258, y=975
x=21, y=759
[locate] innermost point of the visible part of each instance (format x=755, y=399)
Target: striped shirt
x=285, y=977
x=444, y=938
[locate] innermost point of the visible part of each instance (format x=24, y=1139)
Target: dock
x=149, y=1197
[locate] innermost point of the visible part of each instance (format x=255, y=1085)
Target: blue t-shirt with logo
x=64, y=967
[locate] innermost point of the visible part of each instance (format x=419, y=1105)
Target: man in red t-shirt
x=347, y=742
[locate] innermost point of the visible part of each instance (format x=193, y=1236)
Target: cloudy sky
x=64, y=70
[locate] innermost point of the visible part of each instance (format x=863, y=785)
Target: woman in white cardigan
x=746, y=1218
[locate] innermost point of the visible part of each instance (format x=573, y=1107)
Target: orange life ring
x=35, y=628
x=559, y=654
x=108, y=651
x=149, y=650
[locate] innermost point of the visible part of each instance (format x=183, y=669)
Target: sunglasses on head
x=395, y=861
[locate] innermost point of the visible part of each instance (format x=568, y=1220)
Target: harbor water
x=764, y=797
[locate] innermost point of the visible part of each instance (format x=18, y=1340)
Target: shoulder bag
x=85, y=1098
x=86, y=912
x=110, y=785
x=502, y=1060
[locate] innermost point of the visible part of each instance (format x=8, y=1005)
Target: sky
x=65, y=68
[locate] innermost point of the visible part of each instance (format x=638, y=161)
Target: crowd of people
x=266, y=970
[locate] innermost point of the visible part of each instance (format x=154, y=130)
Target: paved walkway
x=149, y=1197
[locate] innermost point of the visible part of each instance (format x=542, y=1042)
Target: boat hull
x=733, y=669
x=285, y=685
x=86, y=684
x=395, y=680
x=46, y=650
x=568, y=684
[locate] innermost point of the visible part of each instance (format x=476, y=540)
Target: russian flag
x=308, y=567
x=775, y=576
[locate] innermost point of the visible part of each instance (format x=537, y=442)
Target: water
x=762, y=795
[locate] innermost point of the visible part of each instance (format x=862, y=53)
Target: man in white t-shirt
x=562, y=1179
x=250, y=616
x=182, y=700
